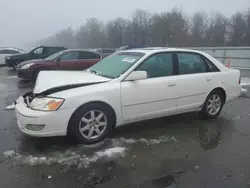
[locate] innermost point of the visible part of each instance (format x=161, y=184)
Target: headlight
x=7, y=57
x=46, y=103
x=27, y=66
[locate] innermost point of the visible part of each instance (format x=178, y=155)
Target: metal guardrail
x=240, y=56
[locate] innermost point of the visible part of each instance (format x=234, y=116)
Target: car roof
x=83, y=50
x=152, y=50
x=51, y=46
x=11, y=48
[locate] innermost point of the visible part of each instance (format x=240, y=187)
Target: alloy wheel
x=93, y=124
x=214, y=104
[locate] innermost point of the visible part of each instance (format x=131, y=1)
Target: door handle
x=209, y=79
x=171, y=85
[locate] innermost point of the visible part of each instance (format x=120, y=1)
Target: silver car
x=4, y=51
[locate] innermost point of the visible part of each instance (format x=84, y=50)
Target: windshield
x=53, y=56
x=115, y=65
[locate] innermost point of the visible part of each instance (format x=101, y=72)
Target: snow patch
x=130, y=141
x=11, y=77
x=9, y=154
x=245, y=81
x=72, y=158
x=10, y=107
x=111, y=152
x=75, y=156
x=243, y=90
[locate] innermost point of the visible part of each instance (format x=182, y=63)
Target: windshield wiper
x=98, y=73
x=92, y=71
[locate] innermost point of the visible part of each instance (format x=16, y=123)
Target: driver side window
x=158, y=65
x=38, y=51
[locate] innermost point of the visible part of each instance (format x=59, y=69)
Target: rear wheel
x=91, y=123
x=213, y=104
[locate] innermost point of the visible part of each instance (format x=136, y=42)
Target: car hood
x=49, y=82
x=20, y=55
x=31, y=61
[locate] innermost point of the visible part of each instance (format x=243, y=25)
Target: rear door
x=68, y=61
x=196, y=79
x=87, y=59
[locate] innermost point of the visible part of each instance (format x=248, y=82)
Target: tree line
x=174, y=28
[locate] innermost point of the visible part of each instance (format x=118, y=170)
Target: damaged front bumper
x=41, y=123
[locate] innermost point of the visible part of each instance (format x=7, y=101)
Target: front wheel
x=213, y=105
x=16, y=65
x=91, y=123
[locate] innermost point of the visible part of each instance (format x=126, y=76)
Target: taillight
x=240, y=80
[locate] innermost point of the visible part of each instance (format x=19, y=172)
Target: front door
x=153, y=96
x=37, y=53
x=68, y=61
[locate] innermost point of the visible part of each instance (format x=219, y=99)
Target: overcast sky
x=23, y=21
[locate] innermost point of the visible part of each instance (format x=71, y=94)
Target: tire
x=213, y=105
x=83, y=119
x=16, y=64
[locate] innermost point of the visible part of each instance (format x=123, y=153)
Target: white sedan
x=126, y=87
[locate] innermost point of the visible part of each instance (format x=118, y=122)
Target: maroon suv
x=63, y=60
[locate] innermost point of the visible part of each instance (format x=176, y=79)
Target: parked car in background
x=63, y=60
x=129, y=47
x=104, y=52
x=4, y=51
x=40, y=52
x=129, y=86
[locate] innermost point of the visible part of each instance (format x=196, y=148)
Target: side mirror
x=137, y=75
x=57, y=60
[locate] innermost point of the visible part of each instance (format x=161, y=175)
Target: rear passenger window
x=70, y=56
x=89, y=55
x=108, y=51
x=190, y=63
x=8, y=52
x=52, y=50
x=212, y=67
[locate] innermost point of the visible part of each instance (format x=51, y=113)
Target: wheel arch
x=109, y=107
x=222, y=91
x=38, y=69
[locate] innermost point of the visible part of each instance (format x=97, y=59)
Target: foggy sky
x=24, y=21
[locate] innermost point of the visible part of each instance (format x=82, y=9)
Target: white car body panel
x=138, y=100
x=131, y=100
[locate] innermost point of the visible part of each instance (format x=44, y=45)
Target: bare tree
x=216, y=32
x=199, y=26
x=172, y=28
x=237, y=29
x=141, y=26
